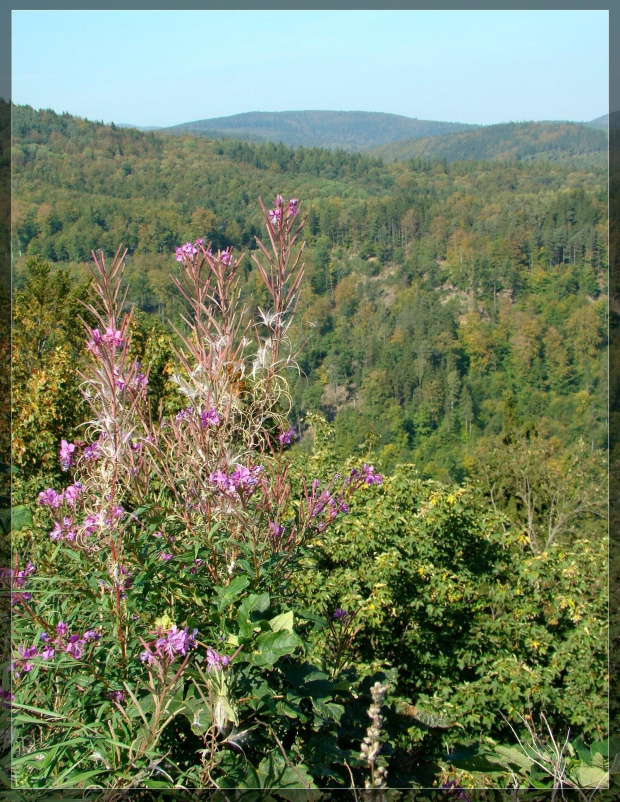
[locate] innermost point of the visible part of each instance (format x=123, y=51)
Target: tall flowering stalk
x=371, y=745
x=221, y=458
x=91, y=514
x=282, y=274
x=209, y=456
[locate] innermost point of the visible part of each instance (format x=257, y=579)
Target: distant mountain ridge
x=600, y=122
x=349, y=130
x=553, y=141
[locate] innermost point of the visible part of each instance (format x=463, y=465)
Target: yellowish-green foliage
x=450, y=593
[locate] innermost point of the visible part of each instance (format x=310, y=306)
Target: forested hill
x=350, y=130
x=600, y=122
x=523, y=141
x=446, y=303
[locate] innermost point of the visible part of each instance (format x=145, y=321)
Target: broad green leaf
x=328, y=710
x=230, y=592
x=282, y=621
x=514, y=755
x=252, y=604
x=15, y=518
x=271, y=646
x=591, y=776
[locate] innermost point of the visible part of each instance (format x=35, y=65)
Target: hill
x=442, y=300
x=350, y=130
x=601, y=123
x=521, y=141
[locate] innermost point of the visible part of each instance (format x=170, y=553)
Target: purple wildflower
x=23, y=664
x=246, y=478
x=165, y=556
x=93, y=345
x=89, y=635
x=276, y=530
x=209, y=418
x=226, y=256
x=119, y=379
x=16, y=598
x=61, y=628
x=75, y=647
x=67, y=525
x=140, y=382
x=49, y=498
x=223, y=483
x=112, y=337
x=72, y=493
x=48, y=653
x=292, y=207
x=286, y=437
x=21, y=576
x=6, y=697
x=275, y=215
x=91, y=524
x=369, y=475
x=91, y=453
x=116, y=696
x=177, y=641
x=66, y=454
x=197, y=563
x=64, y=531
x=340, y=613
x=215, y=660
x=184, y=414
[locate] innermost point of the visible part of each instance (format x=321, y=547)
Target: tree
x=551, y=495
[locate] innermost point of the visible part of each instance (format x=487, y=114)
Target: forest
x=447, y=355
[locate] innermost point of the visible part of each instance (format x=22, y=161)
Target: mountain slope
x=601, y=123
x=351, y=130
x=522, y=141
x=433, y=292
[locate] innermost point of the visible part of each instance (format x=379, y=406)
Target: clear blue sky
x=165, y=67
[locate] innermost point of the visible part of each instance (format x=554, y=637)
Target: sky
x=161, y=68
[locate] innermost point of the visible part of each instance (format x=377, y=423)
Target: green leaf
x=328, y=710
x=253, y=604
x=513, y=755
x=229, y=593
x=431, y=719
x=14, y=519
x=271, y=646
x=591, y=776
x=282, y=621
x=75, y=780
x=273, y=772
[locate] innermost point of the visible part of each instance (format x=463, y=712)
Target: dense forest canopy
x=549, y=141
x=439, y=295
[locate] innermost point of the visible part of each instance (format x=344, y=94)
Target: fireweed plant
x=155, y=632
